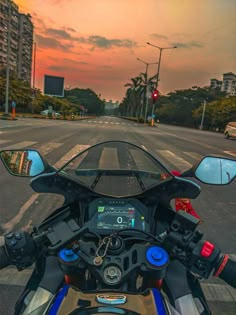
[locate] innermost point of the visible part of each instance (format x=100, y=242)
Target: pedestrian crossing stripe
x=48, y=147
x=69, y=155
x=194, y=155
x=166, y=157
x=175, y=160
x=20, y=145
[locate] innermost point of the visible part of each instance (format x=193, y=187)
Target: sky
x=95, y=43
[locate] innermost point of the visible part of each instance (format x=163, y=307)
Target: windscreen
x=116, y=169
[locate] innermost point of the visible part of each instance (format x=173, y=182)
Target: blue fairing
x=58, y=300
x=159, y=302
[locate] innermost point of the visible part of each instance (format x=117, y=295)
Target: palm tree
x=132, y=94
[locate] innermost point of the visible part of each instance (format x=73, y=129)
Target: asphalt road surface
x=176, y=147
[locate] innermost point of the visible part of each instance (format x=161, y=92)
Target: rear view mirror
x=24, y=163
x=216, y=170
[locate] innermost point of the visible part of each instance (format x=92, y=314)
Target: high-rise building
x=8, y=34
x=228, y=85
x=16, y=39
x=25, y=47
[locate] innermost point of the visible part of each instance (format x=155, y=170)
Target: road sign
x=13, y=104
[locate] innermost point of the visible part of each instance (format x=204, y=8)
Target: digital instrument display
x=119, y=217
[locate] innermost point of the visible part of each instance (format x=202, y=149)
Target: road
x=176, y=147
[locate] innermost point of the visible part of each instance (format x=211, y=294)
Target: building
x=16, y=29
x=8, y=21
x=215, y=84
x=25, y=47
x=228, y=84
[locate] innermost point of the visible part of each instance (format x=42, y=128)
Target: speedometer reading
x=115, y=218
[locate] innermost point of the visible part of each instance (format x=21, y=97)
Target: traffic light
x=155, y=95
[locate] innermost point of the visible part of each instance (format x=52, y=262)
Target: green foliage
x=28, y=100
x=19, y=92
x=86, y=98
x=134, y=101
x=217, y=113
x=184, y=107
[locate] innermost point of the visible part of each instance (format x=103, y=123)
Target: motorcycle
x=115, y=246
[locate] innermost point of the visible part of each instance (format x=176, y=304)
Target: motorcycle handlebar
x=227, y=271
x=4, y=259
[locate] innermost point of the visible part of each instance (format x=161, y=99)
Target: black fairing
x=58, y=183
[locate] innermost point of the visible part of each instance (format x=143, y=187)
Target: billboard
x=53, y=85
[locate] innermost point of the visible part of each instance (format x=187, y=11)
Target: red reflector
x=207, y=249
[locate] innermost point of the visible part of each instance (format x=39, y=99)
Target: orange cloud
x=95, y=43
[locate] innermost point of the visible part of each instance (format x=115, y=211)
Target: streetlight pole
x=146, y=83
x=203, y=115
x=159, y=61
x=158, y=68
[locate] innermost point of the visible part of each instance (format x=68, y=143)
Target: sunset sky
x=95, y=43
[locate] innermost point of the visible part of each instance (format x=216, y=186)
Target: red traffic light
x=155, y=95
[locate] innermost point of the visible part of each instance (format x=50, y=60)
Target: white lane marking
x=143, y=146
x=90, y=121
x=174, y=159
x=48, y=147
x=109, y=159
x=100, y=122
x=4, y=141
x=117, y=123
x=111, y=123
x=69, y=155
x=194, y=155
x=10, y=224
x=233, y=153
x=106, y=122
x=95, y=120
x=20, y=145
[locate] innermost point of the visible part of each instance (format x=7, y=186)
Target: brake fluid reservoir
x=158, y=260
x=68, y=260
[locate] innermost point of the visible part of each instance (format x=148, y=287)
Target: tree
x=86, y=98
x=182, y=103
x=136, y=94
x=217, y=113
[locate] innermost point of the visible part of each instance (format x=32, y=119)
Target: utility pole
x=203, y=115
x=34, y=66
x=34, y=91
x=146, y=83
x=158, y=68
x=8, y=59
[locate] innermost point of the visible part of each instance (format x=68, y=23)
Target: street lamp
x=159, y=62
x=146, y=83
x=203, y=115
x=158, y=68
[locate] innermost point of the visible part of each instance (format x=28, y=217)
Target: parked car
x=46, y=111
x=230, y=130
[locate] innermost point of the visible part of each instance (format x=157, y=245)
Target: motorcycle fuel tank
x=74, y=302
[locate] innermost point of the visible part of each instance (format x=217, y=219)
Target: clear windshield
x=116, y=169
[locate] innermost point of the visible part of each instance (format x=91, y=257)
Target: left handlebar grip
x=4, y=259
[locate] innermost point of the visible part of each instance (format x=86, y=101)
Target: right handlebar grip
x=4, y=259
x=228, y=274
